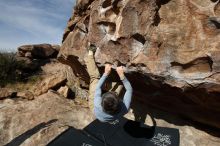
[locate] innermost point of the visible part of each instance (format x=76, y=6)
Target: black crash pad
x=124, y=133
x=74, y=137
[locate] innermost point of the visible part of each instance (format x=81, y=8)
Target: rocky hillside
x=170, y=49
x=35, y=112
x=39, y=73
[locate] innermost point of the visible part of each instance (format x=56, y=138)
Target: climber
x=107, y=107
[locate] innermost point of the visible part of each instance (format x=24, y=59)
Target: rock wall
x=171, y=49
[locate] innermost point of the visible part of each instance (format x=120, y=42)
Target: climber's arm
x=128, y=93
x=98, y=91
x=127, y=85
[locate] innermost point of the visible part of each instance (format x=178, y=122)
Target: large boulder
x=38, y=51
x=54, y=82
x=170, y=49
x=27, y=64
x=32, y=57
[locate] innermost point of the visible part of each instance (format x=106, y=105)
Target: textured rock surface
x=66, y=92
x=28, y=63
x=38, y=51
x=52, y=82
x=56, y=68
x=170, y=47
x=35, y=56
x=26, y=94
x=38, y=121
x=7, y=93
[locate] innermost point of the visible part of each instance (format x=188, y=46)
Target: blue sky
x=33, y=22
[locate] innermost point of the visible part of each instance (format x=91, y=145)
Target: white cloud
x=33, y=21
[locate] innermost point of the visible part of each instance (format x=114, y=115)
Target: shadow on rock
x=136, y=129
x=21, y=138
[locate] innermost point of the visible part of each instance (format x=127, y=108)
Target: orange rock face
x=170, y=47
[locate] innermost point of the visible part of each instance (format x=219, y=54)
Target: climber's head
x=110, y=103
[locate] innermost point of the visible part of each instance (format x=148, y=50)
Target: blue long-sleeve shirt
x=125, y=105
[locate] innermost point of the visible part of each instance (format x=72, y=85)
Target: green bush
x=9, y=68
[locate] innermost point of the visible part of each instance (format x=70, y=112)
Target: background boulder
x=39, y=51
x=33, y=57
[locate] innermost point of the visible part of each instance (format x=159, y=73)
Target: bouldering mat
x=123, y=133
x=74, y=137
x=132, y=133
